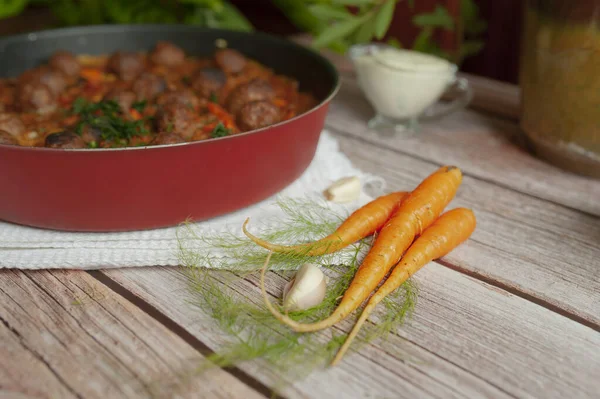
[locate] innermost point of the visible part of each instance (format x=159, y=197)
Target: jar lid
x=410, y=60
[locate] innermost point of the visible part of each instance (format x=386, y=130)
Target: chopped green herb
x=107, y=117
x=213, y=97
x=139, y=105
x=219, y=131
x=79, y=105
x=93, y=144
x=169, y=127
x=186, y=80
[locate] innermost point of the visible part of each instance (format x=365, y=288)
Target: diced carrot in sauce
x=135, y=114
x=280, y=102
x=221, y=114
x=92, y=74
x=64, y=101
x=209, y=127
x=70, y=120
x=140, y=140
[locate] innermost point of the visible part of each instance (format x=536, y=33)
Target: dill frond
x=222, y=269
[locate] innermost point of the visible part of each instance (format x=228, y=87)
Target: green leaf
x=353, y=2
x=339, y=46
x=10, y=8
x=328, y=12
x=118, y=11
x=195, y=17
x=219, y=131
x=299, y=14
x=439, y=18
x=139, y=105
x=472, y=21
x=394, y=42
x=231, y=18
x=384, y=18
x=470, y=47
x=215, y=5
x=423, y=40
x=67, y=12
x=424, y=43
x=365, y=32
x=337, y=31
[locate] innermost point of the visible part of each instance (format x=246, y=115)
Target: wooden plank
x=526, y=350
x=482, y=146
x=67, y=335
x=19, y=363
x=488, y=343
x=537, y=248
x=375, y=373
x=499, y=98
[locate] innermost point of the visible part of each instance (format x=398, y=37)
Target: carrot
x=417, y=212
x=360, y=224
x=135, y=114
x=92, y=74
x=221, y=114
x=445, y=234
x=280, y=102
x=209, y=127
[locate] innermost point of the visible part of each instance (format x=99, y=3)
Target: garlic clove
x=346, y=189
x=287, y=287
x=306, y=290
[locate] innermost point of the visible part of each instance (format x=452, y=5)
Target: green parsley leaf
x=219, y=131
x=139, y=105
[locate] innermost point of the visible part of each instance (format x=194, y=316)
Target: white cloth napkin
x=31, y=248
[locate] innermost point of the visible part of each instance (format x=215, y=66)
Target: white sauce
x=401, y=84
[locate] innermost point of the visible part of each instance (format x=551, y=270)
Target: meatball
x=208, y=81
x=167, y=138
x=35, y=96
x=167, y=54
x=7, y=139
x=255, y=90
x=127, y=66
x=184, y=97
x=66, y=140
x=173, y=118
x=66, y=63
x=11, y=124
x=123, y=97
x=54, y=79
x=230, y=61
x=257, y=114
x=148, y=86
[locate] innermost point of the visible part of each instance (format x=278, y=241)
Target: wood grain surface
x=64, y=334
x=512, y=313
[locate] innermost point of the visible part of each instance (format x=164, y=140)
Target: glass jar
x=560, y=82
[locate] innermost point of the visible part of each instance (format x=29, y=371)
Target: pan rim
x=115, y=28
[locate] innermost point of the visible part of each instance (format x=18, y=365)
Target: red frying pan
x=150, y=187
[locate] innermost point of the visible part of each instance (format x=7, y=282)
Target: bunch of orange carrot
x=411, y=234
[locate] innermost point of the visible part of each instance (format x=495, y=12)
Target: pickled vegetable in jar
x=560, y=82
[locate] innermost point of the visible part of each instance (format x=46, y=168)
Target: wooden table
x=514, y=312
